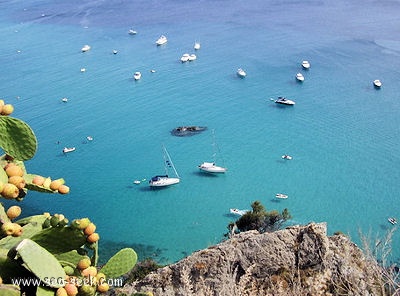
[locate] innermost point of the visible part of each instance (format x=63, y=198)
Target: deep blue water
x=342, y=133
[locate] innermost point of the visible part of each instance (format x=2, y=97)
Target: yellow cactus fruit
x=83, y=223
x=13, y=212
x=94, y=237
x=2, y=103
x=63, y=189
x=10, y=191
x=91, y=228
x=90, y=271
x=17, y=230
x=61, y=292
x=103, y=287
x=47, y=182
x=84, y=263
x=7, y=109
x=71, y=289
x=17, y=181
x=100, y=277
x=1, y=281
x=14, y=170
x=8, y=228
x=55, y=184
x=38, y=180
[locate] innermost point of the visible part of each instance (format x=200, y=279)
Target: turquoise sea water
x=342, y=133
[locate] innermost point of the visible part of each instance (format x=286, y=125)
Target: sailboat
x=165, y=180
x=212, y=167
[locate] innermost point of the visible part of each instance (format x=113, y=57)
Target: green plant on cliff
x=260, y=219
x=59, y=255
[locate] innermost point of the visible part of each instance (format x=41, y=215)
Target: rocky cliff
x=299, y=260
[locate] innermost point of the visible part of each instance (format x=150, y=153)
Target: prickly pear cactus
x=40, y=262
x=120, y=263
x=17, y=138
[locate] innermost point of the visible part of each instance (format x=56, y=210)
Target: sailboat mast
x=168, y=162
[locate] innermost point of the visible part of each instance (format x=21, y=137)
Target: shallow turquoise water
x=343, y=134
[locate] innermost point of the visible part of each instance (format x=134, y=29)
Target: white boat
x=377, y=83
x=85, y=48
x=192, y=57
x=132, y=32
x=238, y=212
x=185, y=57
x=284, y=101
x=165, y=180
x=68, y=149
x=64, y=100
x=197, y=45
x=83, y=70
x=161, y=40
x=300, y=77
x=212, y=167
x=392, y=220
x=137, y=182
x=305, y=64
x=137, y=75
x=288, y=157
x=89, y=138
x=241, y=73
x=115, y=51
x=281, y=196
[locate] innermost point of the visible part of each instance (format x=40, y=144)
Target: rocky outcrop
x=299, y=260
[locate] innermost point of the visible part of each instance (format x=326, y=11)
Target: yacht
x=192, y=57
x=377, y=83
x=64, y=100
x=162, y=40
x=85, y=48
x=288, y=157
x=305, y=64
x=132, y=32
x=238, y=212
x=165, y=180
x=115, y=51
x=241, y=73
x=392, y=220
x=281, y=196
x=137, y=75
x=284, y=101
x=68, y=149
x=185, y=57
x=211, y=167
x=197, y=45
x=300, y=77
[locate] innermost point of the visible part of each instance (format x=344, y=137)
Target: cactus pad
x=3, y=215
x=17, y=138
x=120, y=263
x=10, y=290
x=41, y=263
x=3, y=175
x=30, y=186
x=58, y=240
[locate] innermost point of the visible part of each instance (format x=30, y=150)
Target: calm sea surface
x=343, y=134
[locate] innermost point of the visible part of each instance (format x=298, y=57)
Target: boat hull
x=162, y=182
x=212, y=168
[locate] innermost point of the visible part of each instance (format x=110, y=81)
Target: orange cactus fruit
x=7, y=109
x=55, y=184
x=61, y=292
x=71, y=289
x=103, y=287
x=13, y=212
x=1, y=281
x=90, y=229
x=17, y=181
x=90, y=271
x=10, y=191
x=84, y=263
x=17, y=230
x=94, y=237
x=38, y=180
x=8, y=228
x=14, y=170
x=63, y=189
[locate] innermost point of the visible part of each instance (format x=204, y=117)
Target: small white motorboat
x=197, y=45
x=137, y=75
x=132, y=32
x=300, y=77
x=115, y=51
x=89, y=138
x=211, y=167
x=305, y=64
x=137, y=182
x=281, y=196
x=284, y=101
x=152, y=71
x=288, y=157
x=161, y=40
x=185, y=57
x=241, y=73
x=83, y=70
x=64, y=100
x=192, y=57
x=392, y=220
x=68, y=149
x=85, y=48
x=238, y=212
x=377, y=83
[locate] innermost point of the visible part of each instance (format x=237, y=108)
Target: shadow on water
x=205, y=175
